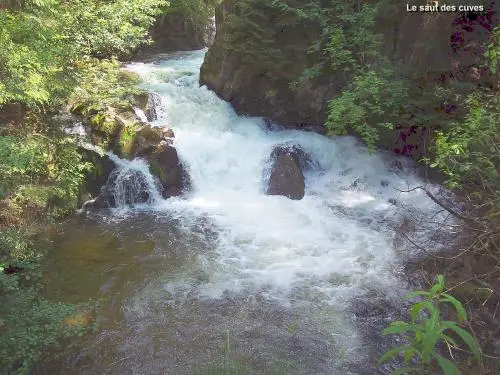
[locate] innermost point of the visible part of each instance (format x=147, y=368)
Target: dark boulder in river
x=132, y=183
x=98, y=176
x=287, y=178
x=165, y=164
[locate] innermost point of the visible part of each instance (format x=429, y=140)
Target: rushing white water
x=132, y=182
x=270, y=259
x=334, y=243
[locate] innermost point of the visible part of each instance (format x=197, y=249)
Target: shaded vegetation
x=52, y=53
x=427, y=331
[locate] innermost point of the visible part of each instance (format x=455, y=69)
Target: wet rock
x=130, y=188
x=287, y=178
x=98, y=176
x=164, y=163
x=261, y=86
x=176, y=32
x=168, y=133
x=300, y=156
x=147, y=102
x=144, y=142
x=104, y=200
x=122, y=188
x=150, y=110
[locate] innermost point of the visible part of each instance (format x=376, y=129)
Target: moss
x=129, y=76
x=156, y=169
x=126, y=140
x=140, y=100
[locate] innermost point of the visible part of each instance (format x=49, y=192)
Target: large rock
x=257, y=82
x=175, y=32
x=287, y=178
x=143, y=142
x=123, y=187
x=254, y=58
x=147, y=102
x=98, y=176
x=165, y=164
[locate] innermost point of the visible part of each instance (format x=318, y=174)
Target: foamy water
x=335, y=242
x=231, y=264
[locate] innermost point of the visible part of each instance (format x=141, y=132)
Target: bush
x=427, y=331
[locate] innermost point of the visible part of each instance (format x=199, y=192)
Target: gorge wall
x=259, y=50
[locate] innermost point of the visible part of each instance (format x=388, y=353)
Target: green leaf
x=461, y=314
x=399, y=327
x=438, y=287
x=393, y=353
x=449, y=339
x=466, y=337
x=408, y=355
x=419, y=293
x=446, y=365
x=431, y=336
x=417, y=307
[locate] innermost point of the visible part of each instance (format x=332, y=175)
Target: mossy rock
x=130, y=76
x=166, y=165
x=141, y=100
x=139, y=142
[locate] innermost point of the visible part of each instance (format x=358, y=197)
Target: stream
x=286, y=286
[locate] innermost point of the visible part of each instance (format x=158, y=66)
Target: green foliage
x=492, y=53
x=104, y=98
x=469, y=151
x=349, y=45
x=29, y=324
x=349, y=37
x=39, y=173
x=251, y=32
x=307, y=75
x=15, y=247
x=197, y=12
x=102, y=85
x=427, y=331
x=112, y=28
x=373, y=100
x=33, y=62
x=42, y=41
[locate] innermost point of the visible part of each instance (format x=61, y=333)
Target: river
x=284, y=286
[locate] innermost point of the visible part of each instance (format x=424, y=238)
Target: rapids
x=227, y=269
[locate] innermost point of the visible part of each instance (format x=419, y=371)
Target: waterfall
x=132, y=183
x=227, y=263
x=335, y=243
